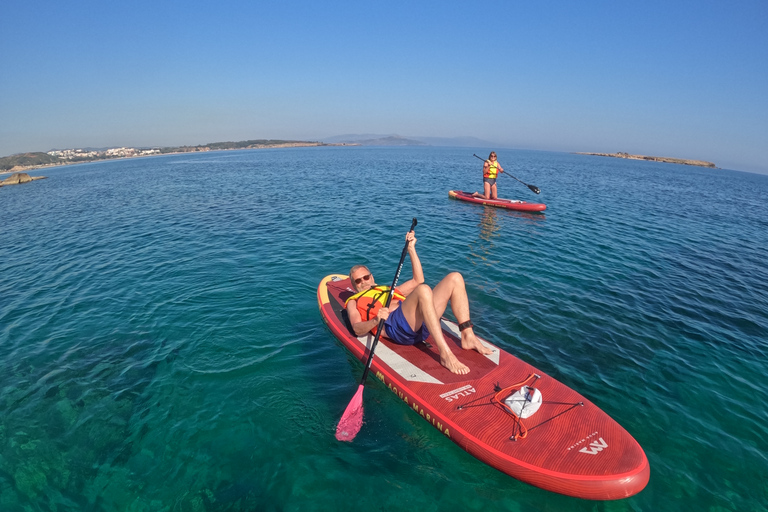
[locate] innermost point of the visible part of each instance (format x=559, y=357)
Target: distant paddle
x=532, y=187
x=352, y=419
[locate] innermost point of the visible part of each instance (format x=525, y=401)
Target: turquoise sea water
x=161, y=347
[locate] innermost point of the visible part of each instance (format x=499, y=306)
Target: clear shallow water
x=161, y=346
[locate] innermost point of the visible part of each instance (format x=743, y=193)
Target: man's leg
x=419, y=308
x=452, y=289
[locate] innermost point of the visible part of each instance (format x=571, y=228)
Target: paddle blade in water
x=352, y=419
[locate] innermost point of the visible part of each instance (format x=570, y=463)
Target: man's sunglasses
x=363, y=278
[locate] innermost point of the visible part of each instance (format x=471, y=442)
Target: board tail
x=352, y=419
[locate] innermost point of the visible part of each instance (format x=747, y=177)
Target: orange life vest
x=370, y=301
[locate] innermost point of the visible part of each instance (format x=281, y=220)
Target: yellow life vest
x=493, y=169
x=370, y=301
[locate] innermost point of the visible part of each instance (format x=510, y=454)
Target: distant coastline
x=699, y=163
x=28, y=161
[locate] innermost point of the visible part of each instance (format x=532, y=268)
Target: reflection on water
x=533, y=217
x=481, y=249
x=488, y=224
x=491, y=222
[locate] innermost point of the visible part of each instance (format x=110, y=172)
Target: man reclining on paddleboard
x=415, y=309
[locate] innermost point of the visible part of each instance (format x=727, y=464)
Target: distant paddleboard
x=510, y=204
x=505, y=412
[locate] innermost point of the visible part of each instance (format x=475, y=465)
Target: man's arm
x=418, y=274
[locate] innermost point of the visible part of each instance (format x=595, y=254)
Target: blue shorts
x=400, y=332
x=490, y=181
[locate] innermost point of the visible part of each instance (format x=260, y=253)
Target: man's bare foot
x=470, y=342
x=453, y=364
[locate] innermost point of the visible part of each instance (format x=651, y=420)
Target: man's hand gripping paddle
x=352, y=419
x=532, y=187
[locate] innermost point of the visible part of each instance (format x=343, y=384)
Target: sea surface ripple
x=161, y=347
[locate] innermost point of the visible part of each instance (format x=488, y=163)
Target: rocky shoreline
x=682, y=161
x=18, y=178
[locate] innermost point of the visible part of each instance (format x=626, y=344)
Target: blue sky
x=685, y=79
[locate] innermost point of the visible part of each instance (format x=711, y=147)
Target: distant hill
x=26, y=160
x=374, y=140
x=371, y=139
x=243, y=144
x=463, y=142
x=354, y=138
x=394, y=140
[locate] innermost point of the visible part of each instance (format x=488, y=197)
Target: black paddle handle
x=389, y=300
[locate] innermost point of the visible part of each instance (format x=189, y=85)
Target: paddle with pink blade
x=352, y=419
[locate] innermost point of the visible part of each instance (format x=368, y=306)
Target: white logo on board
x=595, y=447
x=450, y=396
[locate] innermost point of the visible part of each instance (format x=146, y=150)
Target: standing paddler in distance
x=415, y=309
x=491, y=168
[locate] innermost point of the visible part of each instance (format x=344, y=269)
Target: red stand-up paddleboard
x=510, y=204
x=504, y=412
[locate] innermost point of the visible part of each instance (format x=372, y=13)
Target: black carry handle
x=532, y=187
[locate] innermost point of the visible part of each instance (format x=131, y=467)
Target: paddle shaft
x=389, y=299
x=532, y=187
